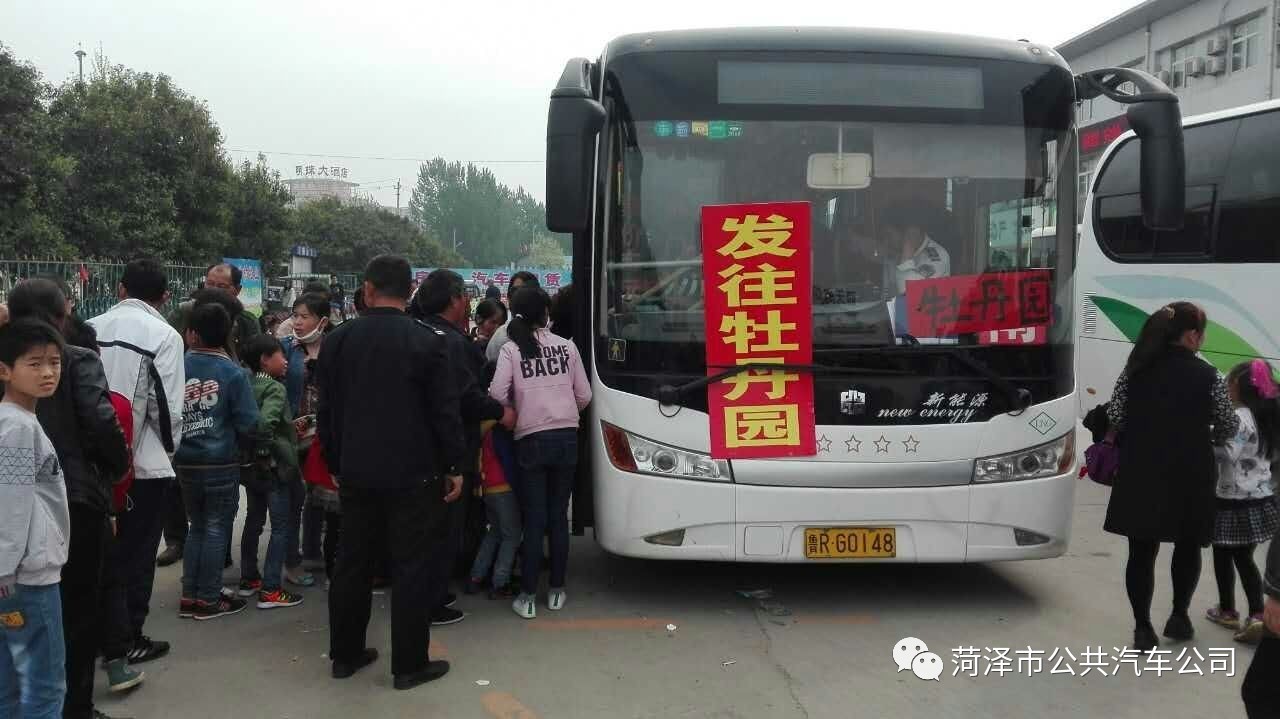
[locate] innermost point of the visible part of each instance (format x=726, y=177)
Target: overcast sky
x=411, y=79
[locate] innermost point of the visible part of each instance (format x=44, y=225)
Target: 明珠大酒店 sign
x=757, y=270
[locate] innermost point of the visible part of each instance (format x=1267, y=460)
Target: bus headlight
x=631, y=453
x=1047, y=460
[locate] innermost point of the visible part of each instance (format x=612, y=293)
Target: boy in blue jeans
x=219, y=413
x=276, y=469
x=35, y=526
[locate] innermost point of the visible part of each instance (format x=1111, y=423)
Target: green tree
x=492, y=223
x=262, y=222
x=347, y=236
x=33, y=171
x=150, y=175
x=544, y=253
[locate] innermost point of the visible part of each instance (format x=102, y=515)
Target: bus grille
x=1089, y=311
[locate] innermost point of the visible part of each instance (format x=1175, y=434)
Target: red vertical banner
x=757, y=280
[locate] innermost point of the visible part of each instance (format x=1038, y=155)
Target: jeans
x=275, y=503
x=81, y=591
x=138, y=539
x=547, y=462
x=33, y=659
x=414, y=522
x=312, y=529
x=498, y=550
x=332, y=540
x=211, y=495
x=297, y=492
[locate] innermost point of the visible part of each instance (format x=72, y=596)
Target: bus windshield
x=959, y=161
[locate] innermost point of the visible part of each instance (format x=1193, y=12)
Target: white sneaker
x=556, y=599
x=525, y=606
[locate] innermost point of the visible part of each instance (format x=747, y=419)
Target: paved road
x=820, y=647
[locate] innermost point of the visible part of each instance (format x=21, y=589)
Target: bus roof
x=834, y=39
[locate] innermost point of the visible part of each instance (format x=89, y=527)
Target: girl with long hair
x=542, y=377
x=1246, y=508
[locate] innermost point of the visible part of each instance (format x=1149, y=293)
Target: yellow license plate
x=850, y=542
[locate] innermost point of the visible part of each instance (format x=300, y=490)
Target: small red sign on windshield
x=967, y=304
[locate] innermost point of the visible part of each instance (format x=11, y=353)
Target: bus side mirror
x=1163, y=164
x=1155, y=118
x=573, y=120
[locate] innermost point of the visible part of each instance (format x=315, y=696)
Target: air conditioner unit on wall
x=1216, y=66
x=1195, y=68
x=1217, y=44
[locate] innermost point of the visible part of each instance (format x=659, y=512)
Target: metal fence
x=94, y=285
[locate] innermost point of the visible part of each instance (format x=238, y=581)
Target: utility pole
x=80, y=53
x=397, y=197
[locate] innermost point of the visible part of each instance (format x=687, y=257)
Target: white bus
x=930, y=449
x=1225, y=259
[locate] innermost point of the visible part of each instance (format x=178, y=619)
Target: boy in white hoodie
x=35, y=526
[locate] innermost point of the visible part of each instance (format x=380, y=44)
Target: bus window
x=1251, y=194
x=1118, y=214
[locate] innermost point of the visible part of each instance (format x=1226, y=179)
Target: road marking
x=502, y=705
x=597, y=624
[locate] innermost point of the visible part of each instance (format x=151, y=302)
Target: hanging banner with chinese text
x=757, y=270
x=949, y=306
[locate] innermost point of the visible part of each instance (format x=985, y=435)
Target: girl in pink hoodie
x=541, y=376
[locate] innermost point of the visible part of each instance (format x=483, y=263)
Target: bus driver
x=910, y=253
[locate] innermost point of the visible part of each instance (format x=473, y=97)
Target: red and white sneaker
x=249, y=587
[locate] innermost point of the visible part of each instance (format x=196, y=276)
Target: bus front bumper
x=644, y=516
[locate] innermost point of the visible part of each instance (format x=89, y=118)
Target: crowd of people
x=384, y=448
x=422, y=441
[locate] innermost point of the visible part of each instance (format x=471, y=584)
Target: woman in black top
x=1168, y=409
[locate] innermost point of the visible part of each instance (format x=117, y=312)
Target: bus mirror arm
x=1155, y=118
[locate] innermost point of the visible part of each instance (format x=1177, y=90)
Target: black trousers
x=139, y=538
x=116, y=633
x=175, y=518
x=1261, y=691
x=415, y=524
x=81, y=599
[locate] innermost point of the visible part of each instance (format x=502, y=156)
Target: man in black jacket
x=1260, y=690
x=442, y=304
x=390, y=426
x=82, y=426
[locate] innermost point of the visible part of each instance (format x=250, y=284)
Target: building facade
x=307, y=189
x=1215, y=54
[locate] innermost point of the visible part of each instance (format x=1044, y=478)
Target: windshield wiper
x=669, y=395
x=1018, y=397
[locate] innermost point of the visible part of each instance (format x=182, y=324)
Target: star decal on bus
x=912, y=444
x=853, y=444
x=882, y=445
x=824, y=444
